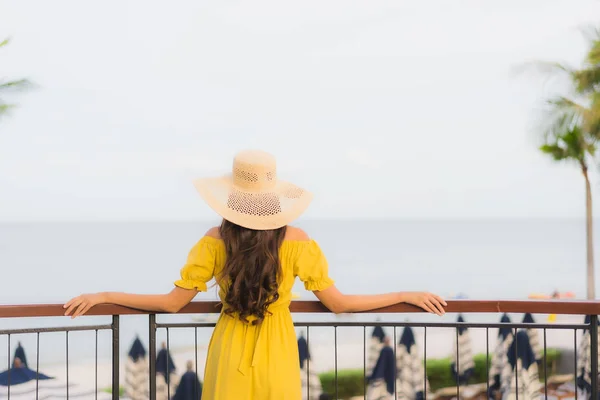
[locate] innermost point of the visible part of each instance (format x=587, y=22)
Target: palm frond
x=545, y=68
x=592, y=120
x=571, y=125
x=591, y=32
x=561, y=115
x=554, y=150
x=561, y=103
x=5, y=86
x=593, y=56
x=588, y=80
x=5, y=108
x=18, y=84
x=570, y=145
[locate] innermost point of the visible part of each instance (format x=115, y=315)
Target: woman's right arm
x=338, y=302
x=170, y=302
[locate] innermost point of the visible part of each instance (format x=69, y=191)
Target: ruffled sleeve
x=200, y=266
x=312, y=268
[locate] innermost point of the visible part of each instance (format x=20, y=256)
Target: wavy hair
x=252, y=270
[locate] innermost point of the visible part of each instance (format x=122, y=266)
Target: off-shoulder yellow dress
x=255, y=362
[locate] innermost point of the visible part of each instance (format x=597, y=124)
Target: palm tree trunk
x=591, y=282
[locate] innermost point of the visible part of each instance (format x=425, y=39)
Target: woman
x=254, y=257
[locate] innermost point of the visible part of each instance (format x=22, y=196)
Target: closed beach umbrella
x=499, y=356
x=374, y=348
x=522, y=370
x=382, y=380
x=303, y=351
x=164, y=363
x=534, y=337
x=136, y=372
x=463, y=356
x=411, y=383
x=584, y=362
x=165, y=374
x=20, y=354
x=189, y=387
x=308, y=376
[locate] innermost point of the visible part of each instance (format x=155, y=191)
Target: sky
x=383, y=109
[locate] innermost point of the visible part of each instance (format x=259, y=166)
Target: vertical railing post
x=115, y=357
x=594, y=351
x=152, y=352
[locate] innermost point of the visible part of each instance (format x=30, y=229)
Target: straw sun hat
x=252, y=196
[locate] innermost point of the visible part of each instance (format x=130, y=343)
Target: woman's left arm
x=170, y=303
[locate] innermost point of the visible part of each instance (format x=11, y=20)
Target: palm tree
x=573, y=130
x=6, y=86
x=568, y=141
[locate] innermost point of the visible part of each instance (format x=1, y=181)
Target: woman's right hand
x=81, y=304
x=429, y=302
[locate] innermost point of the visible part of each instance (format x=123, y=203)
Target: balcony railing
x=580, y=308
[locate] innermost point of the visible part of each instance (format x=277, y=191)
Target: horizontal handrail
x=56, y=329
x=562, y=307
x=388, y=324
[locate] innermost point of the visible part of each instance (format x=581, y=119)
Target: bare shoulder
x=293, y=233
x=213, y=233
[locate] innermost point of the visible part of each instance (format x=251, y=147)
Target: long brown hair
x=252, y=269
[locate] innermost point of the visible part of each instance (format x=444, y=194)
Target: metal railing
x=113, y=327
x=591, y=309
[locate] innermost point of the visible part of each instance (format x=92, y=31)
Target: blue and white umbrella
x=463, y=355
x=374, y=348
x=308, y=376
x=136, y=372
x=584, y=363
x=534, y=337
x=23, y=383
x=499, y=356
x=411, y=383
x=520, y=377
x=383, y=378
x=20, y=373
x=189, y=387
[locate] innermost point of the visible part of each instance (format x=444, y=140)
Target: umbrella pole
x=594, y=351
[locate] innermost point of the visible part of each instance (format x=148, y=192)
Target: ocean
x=502, y=259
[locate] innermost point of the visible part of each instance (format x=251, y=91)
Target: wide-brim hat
x=252, y=196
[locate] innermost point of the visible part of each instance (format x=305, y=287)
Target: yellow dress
x=255, y=362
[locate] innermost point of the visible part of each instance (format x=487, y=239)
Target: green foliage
x=439, y=373
x=570, y=144
x=587, y=79
x=350, y=382
x=567, y=135
x=109, y=390
x=12, y=85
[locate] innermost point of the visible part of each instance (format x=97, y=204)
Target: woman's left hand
x=81, y=304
